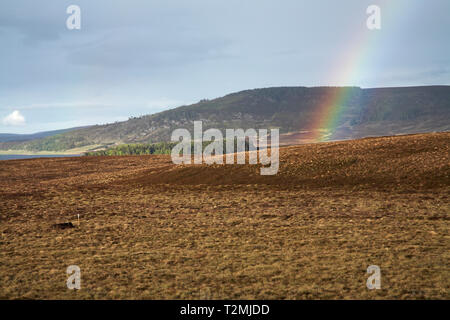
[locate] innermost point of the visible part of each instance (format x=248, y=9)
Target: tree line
x=150, y=148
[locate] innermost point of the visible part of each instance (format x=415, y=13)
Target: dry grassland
x=153, y=230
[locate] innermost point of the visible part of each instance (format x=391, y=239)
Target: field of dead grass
x=153, y=230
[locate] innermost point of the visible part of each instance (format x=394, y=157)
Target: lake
x=22, y=156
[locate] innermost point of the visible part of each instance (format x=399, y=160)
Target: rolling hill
x=295, y=110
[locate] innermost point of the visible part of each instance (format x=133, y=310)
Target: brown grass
x=150, y=229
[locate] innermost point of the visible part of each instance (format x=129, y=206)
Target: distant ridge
x=364, y=112
x=7, y=137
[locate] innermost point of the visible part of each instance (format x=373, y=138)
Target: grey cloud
x=130, y=47
x=130, y=53
x=36, y=21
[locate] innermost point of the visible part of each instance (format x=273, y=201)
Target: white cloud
x=14, y=119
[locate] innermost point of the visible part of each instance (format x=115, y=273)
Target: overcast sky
x=138, y=57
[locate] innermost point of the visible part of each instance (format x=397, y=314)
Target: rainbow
x=349, y=67
x=329, y=112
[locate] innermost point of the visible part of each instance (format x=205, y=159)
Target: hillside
x=410, y=162
x=295, y=110
x=150, y=229
x=12, y=137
